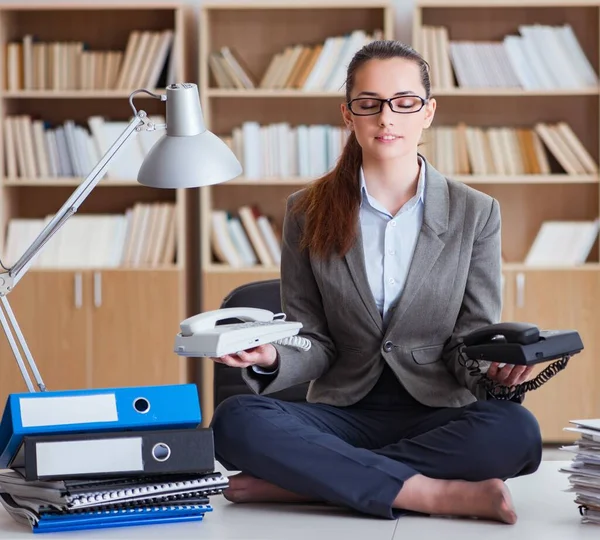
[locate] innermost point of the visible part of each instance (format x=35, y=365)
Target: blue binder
x=96, y=410
x=120, y=518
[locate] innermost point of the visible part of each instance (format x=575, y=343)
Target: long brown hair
x=330, y=204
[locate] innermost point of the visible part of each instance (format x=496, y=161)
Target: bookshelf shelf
x=506, y=3
x=493, y=92
x=291, y=181
x=225, y=269
x=56, y=182
x=466, y=178
x=521, y=267
x=124, y=269
x=529, y=179
x=75, y=94
x=266, y=93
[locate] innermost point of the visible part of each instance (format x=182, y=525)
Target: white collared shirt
x=389, y=243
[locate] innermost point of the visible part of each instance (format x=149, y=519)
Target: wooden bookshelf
x=100, y=326
x=551, y=296
x=256, y=32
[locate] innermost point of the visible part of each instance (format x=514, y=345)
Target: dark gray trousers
x=360, y=456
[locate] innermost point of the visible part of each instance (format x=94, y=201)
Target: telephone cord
x=297, y=342
x=500, y=391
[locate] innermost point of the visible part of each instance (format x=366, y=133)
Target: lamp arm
x=9, y=279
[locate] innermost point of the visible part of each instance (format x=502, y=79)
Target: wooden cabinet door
x=135, y=317
x=50, y=309
x=562, y=300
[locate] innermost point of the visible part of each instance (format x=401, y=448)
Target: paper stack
x=584, y=469
x=70, y=505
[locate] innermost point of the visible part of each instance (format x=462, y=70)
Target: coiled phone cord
x=298, y=342
x=501, y=391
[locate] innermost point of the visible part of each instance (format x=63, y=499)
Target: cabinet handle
x=520, y=290
x=77, y=281
x=97, y=289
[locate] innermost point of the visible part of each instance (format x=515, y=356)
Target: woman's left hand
x=508, y=375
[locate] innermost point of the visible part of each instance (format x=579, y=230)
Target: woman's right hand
x=264, y=356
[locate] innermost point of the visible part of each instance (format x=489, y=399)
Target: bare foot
x=245, y=488
x=489, y=499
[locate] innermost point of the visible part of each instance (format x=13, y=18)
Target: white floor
x=545, y=511
x=553, y=453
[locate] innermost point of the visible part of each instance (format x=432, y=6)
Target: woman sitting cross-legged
x=387, y=264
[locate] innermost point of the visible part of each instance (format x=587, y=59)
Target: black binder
x=115, y=454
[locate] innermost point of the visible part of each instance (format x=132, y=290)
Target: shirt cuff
x=265, y=371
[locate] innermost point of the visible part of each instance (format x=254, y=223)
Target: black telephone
x=520, y=344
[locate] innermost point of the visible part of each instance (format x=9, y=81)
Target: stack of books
x=584, y=469
x=88, y=459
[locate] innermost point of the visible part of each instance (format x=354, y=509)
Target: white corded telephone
x=201, y=336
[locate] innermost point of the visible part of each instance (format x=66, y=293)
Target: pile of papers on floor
x=584, y=469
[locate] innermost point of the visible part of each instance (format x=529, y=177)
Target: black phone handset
x=520, y=344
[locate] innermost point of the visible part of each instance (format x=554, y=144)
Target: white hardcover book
x=562, y=243
x=72, y=148
x=50, y=138
x=515, y=51
x=39, y=145
x=160, y=58
x=241, y=241
x=316, y=73
x=538, y=50
x=221, y=240
x=252, y=150
x=116, y=238
x=20, y=234
x=562, y=65
x=10, y=148
x=509, y=77
x=127, y=162
x=337, y=78
x=461, y=64
x=576, y=54
x=535, y=60
x=63, y=153
x=270, y=239
x=303, y=151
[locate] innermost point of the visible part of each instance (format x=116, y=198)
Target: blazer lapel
x=429, y=244
x=356, y=264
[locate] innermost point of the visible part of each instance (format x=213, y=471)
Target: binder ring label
x=141, y=405
x=161, y=452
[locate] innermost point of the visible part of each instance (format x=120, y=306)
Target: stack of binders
x=584, y=469
x=89, y=459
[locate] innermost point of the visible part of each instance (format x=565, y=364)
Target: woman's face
x=387, y=134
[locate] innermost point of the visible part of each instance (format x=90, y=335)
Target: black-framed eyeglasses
x=368, y=106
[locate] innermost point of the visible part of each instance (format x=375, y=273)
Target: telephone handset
x=520, y=344
x=511, y=332
x=209, y=319
x=202, y=335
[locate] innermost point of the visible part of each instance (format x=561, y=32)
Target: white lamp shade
x=188, y=155
x=186, y=162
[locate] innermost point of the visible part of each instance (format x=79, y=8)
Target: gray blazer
x=453, y=286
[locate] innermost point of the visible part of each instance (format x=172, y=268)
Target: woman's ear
x=347, y=117
x=429, y=113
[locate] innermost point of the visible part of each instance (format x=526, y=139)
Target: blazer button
x=388, y=346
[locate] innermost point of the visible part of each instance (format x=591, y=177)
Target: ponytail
x=330, y=206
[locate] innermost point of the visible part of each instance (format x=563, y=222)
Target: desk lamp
x=188, y=155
